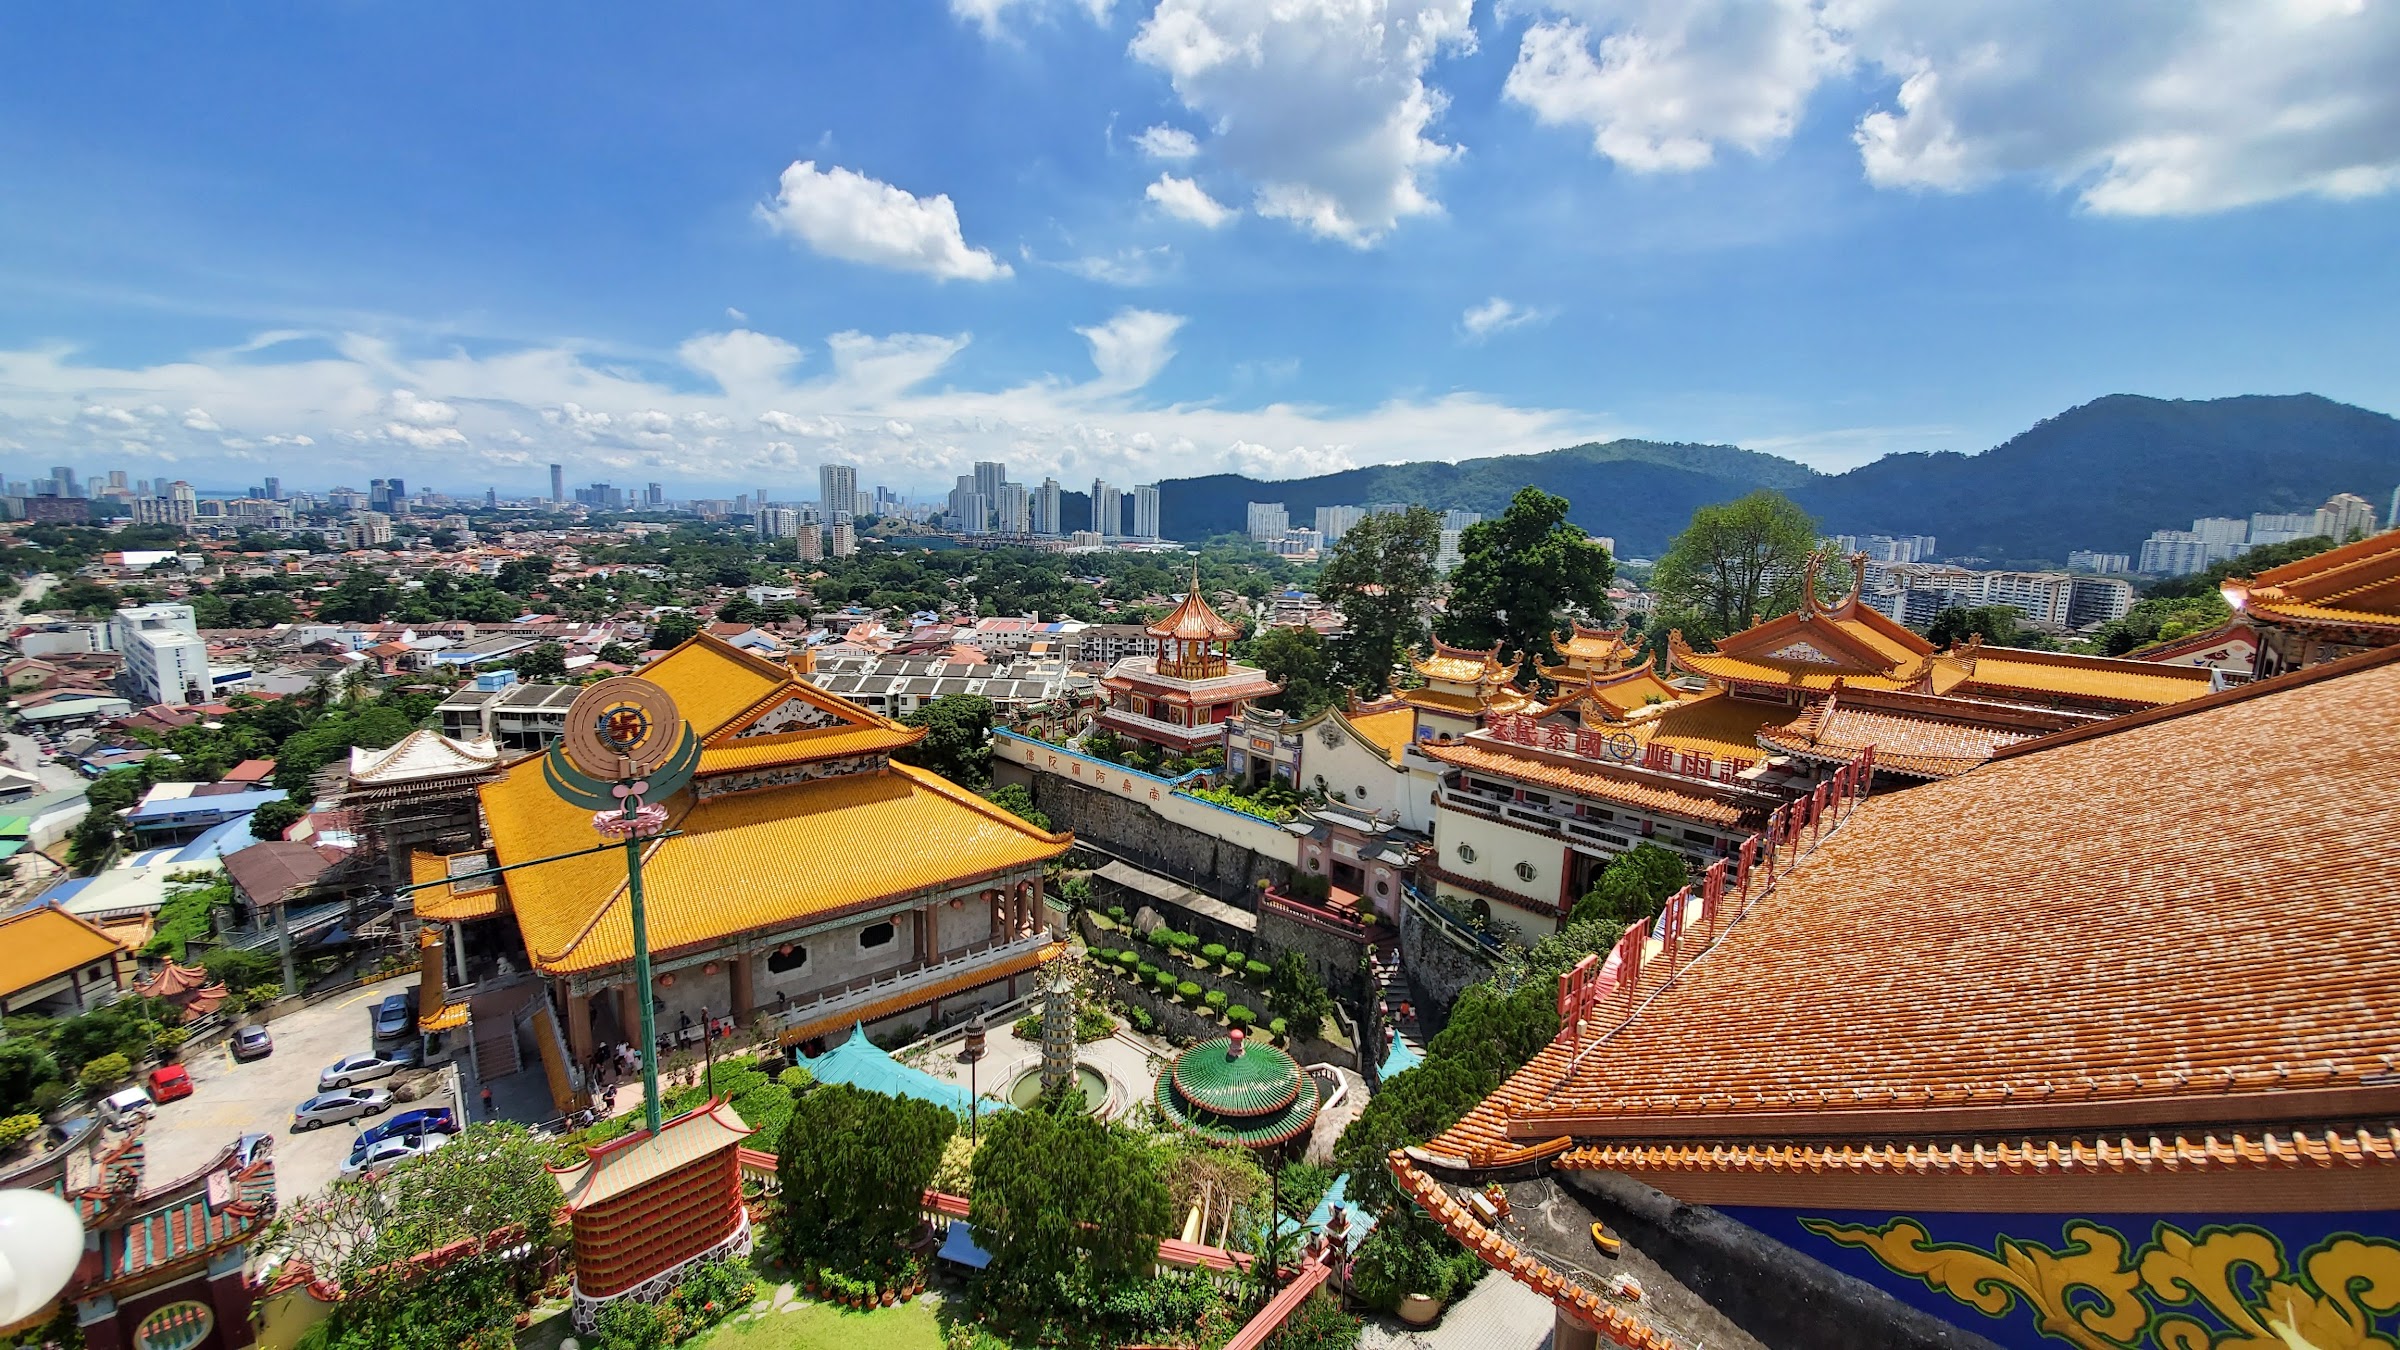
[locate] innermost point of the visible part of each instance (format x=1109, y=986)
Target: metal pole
x=974, y=1105
x=641, y=974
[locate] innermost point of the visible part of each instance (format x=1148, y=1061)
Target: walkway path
x=1497, y=1314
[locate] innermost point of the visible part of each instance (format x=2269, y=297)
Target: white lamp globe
x=41, y=1240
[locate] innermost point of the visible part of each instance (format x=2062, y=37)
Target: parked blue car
x=436, y=1119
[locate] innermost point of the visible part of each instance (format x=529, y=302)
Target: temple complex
x=1230, y=1091
x=2341, y=601
x=645, y=1206
x=1462, y=687
x=2051, y=1050
x=1179, y=697
x=810, y=877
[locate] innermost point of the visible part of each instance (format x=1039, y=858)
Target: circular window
x=1382, y=886
x=176, y=1326
x=1362, y=793
x=1525, y=871
x=1466, y=853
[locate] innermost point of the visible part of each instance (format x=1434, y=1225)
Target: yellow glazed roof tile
x=747, y=861
x=1715, y=723
x=1389, y=732
x=2145, y=684
x=801, y=747
x=713, y=681
x=45, y=943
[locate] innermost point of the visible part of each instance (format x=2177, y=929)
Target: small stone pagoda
x=1229, y=1091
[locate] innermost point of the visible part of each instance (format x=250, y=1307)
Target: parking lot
x=230, y=1099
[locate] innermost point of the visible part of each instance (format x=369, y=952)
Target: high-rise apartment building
x=1015, y=509
x=778, y=522
x=2346, y=513
x=1268, y=521
x=166, y=661
x=558, y=483
x=2276, y=527
x=1043, y=509
x=1335, y=521
x=845, y=539
x=1145, y=511
x=1108, y=510
x=988, y=478
x=812, y=542
x=2104, y=563
x=837, y=491
x=655, y=495
x=1455, y=519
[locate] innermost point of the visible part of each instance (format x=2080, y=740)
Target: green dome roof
x=1257, y=1131
x=1259, y=1081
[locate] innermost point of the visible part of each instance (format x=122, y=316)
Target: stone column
x=1568, y=1334
x=744, y=995
x=229, y=1296
x=579, y=1027
x=998, y=901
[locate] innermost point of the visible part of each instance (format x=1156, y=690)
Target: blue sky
x=715, y=245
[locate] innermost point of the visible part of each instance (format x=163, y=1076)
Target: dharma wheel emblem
x=626, y=748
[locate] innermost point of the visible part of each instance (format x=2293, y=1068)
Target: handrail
x=1445, y=920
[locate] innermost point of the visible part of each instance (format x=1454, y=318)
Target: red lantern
x=667, y=980
x=709, y=969
x=784, y=950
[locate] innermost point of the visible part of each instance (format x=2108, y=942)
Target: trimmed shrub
x=1236, y=961
x=1277, y=1027
x=1188, y=992
x=107, y=1071
x=1164, y=979
x=1128, y=959
x=1240, y=1016
x=1257, y=970
x=1146, y=971
x=1117, y=912
x=1213, y=953
x=17, y=1129
x=1215, y=999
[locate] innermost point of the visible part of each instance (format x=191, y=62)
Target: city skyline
x=1814, y=230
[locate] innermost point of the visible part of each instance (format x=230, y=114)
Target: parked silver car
x=327, y=1108
x=372, y=1160
x=356, y=1069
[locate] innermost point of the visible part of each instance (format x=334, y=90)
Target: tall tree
x=958, y=739
x=1521, y=576
x=1062, y=1195
x=1380, y=576
x=1735, y=560
x=1634, y=886
x=1297, y=659
x=855, y=1166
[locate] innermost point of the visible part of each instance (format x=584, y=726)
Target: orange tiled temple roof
x=1605, y=782
x=1914, y=734
x=1194, y=621
x=2062, y=939
x=2356, y=585
x=2013, y=671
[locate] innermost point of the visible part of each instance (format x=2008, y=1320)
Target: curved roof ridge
x=1192, y=619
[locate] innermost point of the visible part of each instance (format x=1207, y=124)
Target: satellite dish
x=41, y=1241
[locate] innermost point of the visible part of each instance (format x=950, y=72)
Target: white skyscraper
x=1335, y=521
x=837, y=490
x=1268, y=521
x=2345, y=513
x=988, y=478
x=1108, y=510
x=1015, y=509
x=1043, y=510
x=1145, y=511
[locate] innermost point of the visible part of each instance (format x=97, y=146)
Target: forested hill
x=2100, y=476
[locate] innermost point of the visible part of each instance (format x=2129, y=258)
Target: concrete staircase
x=493, y=1014
x=1391, y=992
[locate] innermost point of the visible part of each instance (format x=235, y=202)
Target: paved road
x=230, y=1099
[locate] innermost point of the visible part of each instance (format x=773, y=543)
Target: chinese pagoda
x=645, y=1207
x=1178, y=697
x=1463, y=685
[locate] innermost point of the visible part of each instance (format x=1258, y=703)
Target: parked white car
x=349, y=1104
x=374, y=1159
x=356, y=1069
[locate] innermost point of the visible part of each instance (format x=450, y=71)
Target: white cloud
x=421, y=412
x=197, y=419
x=1125, y=267
x=2137, y=110
x=847, y=215
x=881, y=399
x=987, y=14
x=1186, y=200
x=1132, y=347
x=1170, y=143
x=423, y=438
x=1322, y=104
x=741, y=361
x=1498, y=316
x=2167, y=110
x=1672, y=79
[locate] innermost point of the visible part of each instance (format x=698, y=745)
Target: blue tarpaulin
x=859, y=1063
x=1399, y=1061
x=959, y=1245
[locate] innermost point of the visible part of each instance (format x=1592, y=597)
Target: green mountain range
x=2099, y=476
